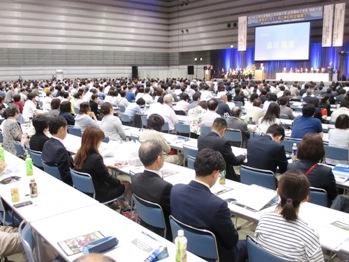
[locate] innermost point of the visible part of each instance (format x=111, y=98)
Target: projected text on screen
x=282, y=42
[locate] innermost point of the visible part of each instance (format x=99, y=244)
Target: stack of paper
x=253, y=197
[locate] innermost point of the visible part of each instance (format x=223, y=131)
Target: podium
x=59, y=74
x=259, y=75
x=207, y=74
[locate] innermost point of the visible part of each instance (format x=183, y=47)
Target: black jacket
x=195, y=205
x=150, y=186
x=264, y=153
x=69, y=117
x=214, y=141
x=54, y=153
x=106, y=186
x=37, y=142
x=320, y=177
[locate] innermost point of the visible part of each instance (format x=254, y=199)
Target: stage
x=303, y=77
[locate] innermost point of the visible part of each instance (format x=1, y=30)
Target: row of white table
x=320, y=218
x=286, y=122
x=124, y=157
x=178, y=142
x=61, y=212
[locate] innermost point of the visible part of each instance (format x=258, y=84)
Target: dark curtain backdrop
x=318, y=57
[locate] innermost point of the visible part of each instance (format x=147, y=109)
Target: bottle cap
x=180, y=233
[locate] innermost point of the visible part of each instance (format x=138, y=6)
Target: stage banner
x=338, y=26
x=295, y=15
x=242, y=33
x=327, y=25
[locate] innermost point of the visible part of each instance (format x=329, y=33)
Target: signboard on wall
x=327, y=26
x=242, y=33
x=295, y=15
x=338, y=24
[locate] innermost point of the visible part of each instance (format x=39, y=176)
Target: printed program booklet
x=74, y=245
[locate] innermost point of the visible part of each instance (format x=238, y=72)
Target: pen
x=149, y=236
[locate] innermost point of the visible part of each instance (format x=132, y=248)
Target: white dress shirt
x=29, y=110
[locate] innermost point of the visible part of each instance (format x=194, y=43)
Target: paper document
x=74, y=245
x=253, y=197
x=335, y=233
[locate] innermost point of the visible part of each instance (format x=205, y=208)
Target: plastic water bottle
x=29, y=165
x=2, y=153
x=181, y=246
x=294, y=151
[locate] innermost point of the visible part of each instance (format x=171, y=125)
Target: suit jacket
x=264, y=153
x=37, y=142
x=150, y=186
x=222, y=108
x=69, y=117
x=106, y=186
x=320, y=177
x=54, y=153
x=195, y=205
x=215, y=142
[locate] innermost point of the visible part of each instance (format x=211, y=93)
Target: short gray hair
x=149, y=151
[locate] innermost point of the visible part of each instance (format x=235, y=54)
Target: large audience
x=100, y=108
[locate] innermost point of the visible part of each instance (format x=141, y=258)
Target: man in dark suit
x=149, y=185
x=215, y=141
x=54, y=152
x=195, y=205
x=267, y=152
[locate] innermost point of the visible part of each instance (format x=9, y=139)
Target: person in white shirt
x=86, y=117
x=168, y=113
x=211, y=115
x=339, y=136
x=271, y=98
x=206, y=94
x=282, y=232
x=271, y=117
x=183, y=104
x=86, y=97
x=135, y=108
x=147, y=97
x=46, y=101
x=29, y=109
x=140, y=93
x=195, y=116
x=123, y=102
x=110, y=124
x=344, y=109
x=112, y=97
